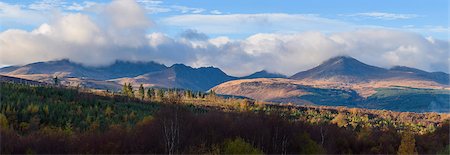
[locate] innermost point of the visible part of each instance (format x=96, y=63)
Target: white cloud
x=119, y=32
x=255, y=23
x=185, y=9
x=75, y=7
x=154, y=6
x=290, y=53
x=80, y=7
x=384, y=15
x=15, y=15
x=46, y=4
x=286, y=53
x=157, y=6
x=150, y=2
x=79, y=37
x=128, y=23
x=219, y=41
x=216, y=12
x=429, y=29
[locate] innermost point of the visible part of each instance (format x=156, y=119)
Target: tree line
x=157, y=94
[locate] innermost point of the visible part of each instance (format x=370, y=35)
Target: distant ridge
x=264, y=74
x=130, y=69
x=342, y=69
x=181, y=76
x=345, y=81
x=67, y=68
x=50, y=67
x=348, y=69
x=338, y=81
x=439, y=77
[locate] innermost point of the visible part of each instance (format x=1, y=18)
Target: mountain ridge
x=350, y=70
x=263, y=74
x=65, y=67
x=181, y=76
x=345, y=81
x=339, y=81
x=344, y=69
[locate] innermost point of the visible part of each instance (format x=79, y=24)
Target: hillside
x=339, y=81
x=74, y=74
x=346, y=69
x=413, y=73
x=180, y=76
x=66, y=68
x=57, y=120
x=345, y=81
x=55, y=68
x=10, y=79
x=112, y=76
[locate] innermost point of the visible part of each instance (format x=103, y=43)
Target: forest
x=63, y=120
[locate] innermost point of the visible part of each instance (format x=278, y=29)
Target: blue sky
x=238, y=36
x=429, y=18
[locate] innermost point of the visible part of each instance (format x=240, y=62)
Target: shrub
x=239, y=146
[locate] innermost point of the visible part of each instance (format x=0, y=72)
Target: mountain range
x=349, y=70
x=66, y=68
x=114, y=75
x=180, y=76
x=339, y=81
x=345, y=81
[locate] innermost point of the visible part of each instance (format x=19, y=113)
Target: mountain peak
x=342, y=60
x=262, y=71
x=342, y=57
x=55, y=62
x=341, y=67
x=62, y=61
x=183, y=76
x=181, y=66
x=264, y=74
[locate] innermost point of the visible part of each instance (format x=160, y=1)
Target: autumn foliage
x=61, y=121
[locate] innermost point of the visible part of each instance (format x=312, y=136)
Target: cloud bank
x=118, y=31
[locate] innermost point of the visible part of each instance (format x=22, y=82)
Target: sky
x=240, y=37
